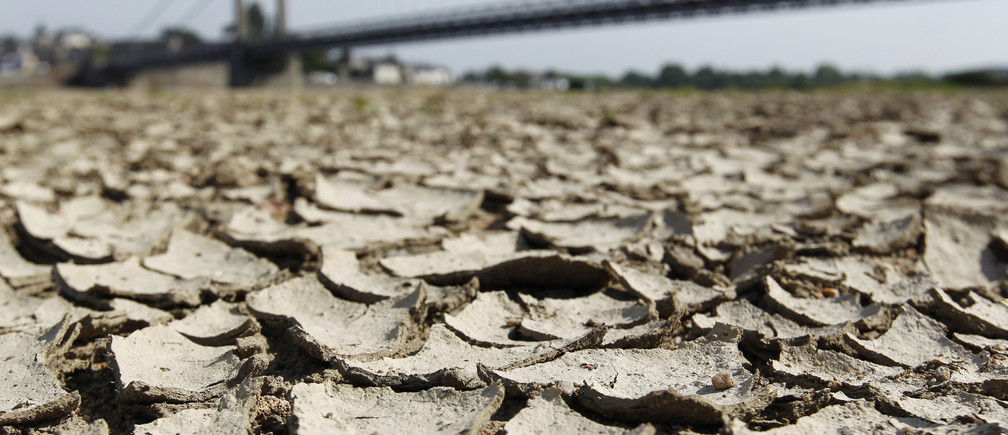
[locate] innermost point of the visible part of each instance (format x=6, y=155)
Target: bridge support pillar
x=282, y=70
x=343, y=65
x=236, y=69
x=294, y=75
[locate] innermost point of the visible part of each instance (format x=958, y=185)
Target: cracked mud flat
x=486, y=262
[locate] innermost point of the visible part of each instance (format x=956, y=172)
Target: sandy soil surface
x=468, y=261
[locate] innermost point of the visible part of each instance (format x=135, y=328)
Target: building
x=18, y=59
x=67, y=46
x=428, y=75
x=391, y=71
x=549, y=82
x=386, y=73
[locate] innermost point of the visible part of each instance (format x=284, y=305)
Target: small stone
x=723, y=381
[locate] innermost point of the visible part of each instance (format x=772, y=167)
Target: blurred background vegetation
x=674, y=76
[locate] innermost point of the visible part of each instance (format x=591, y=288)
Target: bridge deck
x=482, y=21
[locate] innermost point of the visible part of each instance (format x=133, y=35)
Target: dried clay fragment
x=645, y=336
x=94, y=230
x=544, y=270
x=447, y=360
x=158, y=363
x=192, y=256
x=591, y=234
x=668, y=293
x=568, y=318
x=29, y=390
x=912, y=339
x=417, y=203
x=853, y=417
x=812, y=270
x=341, y=273
x=231, y=415
x=327, y=326
x=818, y=312
x=981, y=316
x=547, y=412
x=460, y=259
x=339, y=408
x=889, y=235
x=217, y=324
x=26, y=190
x=978, y=343
x=50, y=234
x=747, y=267
x=20, y=312
x=121, y=315
x=958, y=222
x=885, y=280
x=826, y=366
x=683, y=261
x=875, y=200
x=743, y=314
x=489, y=320
x=257, y=231
x=130, y=280
x=949, y=409
x=560, y=211
x=18, y=272
x=654, y=385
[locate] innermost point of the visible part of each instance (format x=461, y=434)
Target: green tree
x=636, y=79
x=988, y=77
x=799, y=81
x=472, y=76
x=673, y=76
x=496, y=74
x=752, y=80
x=776, y=78
x=521, y=78
x=827, y=75
x=707, y=79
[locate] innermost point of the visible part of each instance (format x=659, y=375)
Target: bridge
x=249, y=59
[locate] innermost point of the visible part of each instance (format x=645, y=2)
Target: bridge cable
x=149, y=18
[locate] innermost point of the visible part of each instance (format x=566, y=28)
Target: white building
x=386, y=73
x=549, y=82
x=67, y=45
x=428, y=75
x=391, y=71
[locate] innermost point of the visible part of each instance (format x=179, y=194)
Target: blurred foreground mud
x=467, y=261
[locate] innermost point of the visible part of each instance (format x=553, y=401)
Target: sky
x=933, y=36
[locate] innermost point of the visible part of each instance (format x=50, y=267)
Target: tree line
x=675, y=76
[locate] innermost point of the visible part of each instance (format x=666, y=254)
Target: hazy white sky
x=934, y=36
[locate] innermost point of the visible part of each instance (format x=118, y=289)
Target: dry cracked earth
x=466, y=261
